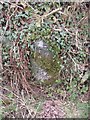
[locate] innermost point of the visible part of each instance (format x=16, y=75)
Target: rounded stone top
x=42, y=48
x=41, y=44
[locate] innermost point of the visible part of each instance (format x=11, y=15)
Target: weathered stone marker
x=44, y=68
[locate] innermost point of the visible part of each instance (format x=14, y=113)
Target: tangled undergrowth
x=64, y=26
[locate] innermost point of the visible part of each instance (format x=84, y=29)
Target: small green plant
x=83, y=109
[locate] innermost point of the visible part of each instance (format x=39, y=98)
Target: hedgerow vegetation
x=64, y=26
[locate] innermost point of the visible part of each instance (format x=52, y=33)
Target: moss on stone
x=49, y=65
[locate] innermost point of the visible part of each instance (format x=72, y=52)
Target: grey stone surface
x=43, y=49
x=38, y=72
x=40, y=48
x=43, y=67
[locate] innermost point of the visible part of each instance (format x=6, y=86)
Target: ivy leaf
x=85, y=77
x=38, y=23
x=1, y=6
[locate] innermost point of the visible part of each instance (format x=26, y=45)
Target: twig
x=63, y=13
x=76, y=38
x=73, y=61
x=52, y=12
x=62, y=28
x=80, y=22
x=1, y=66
